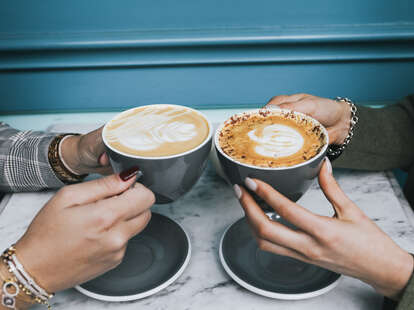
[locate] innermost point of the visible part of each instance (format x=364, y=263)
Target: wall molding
x=210, y=46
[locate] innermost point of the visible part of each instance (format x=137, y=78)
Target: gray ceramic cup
x=168, y=177
x=292, y=181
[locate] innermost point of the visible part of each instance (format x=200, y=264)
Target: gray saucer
x=269, y=274
x=153, y=260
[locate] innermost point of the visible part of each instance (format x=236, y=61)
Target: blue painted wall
x=110, y=55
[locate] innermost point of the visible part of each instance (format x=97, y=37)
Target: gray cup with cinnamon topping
x=280, y=147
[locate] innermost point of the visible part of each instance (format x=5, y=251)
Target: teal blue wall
x=109, y=55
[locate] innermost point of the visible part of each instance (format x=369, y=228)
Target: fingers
x=266, y=229
x=105, y=170
x=290, y=211
x=135, y=225
x=300, y=102
x=267, y=246
x=278, y=100
x=88, y=192
x=95, y=137
x=128, y=205
x=344, y=207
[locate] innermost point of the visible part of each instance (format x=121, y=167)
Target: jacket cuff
x=407, y=299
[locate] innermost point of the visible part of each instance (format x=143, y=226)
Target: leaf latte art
x=158, y=130
x=276, y=140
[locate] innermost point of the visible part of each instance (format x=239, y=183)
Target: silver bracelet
x=8, y=299
x=334, y=151
x=25, y=279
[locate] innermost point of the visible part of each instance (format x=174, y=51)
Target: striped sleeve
x=24, y=162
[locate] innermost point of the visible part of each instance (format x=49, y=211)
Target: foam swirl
x=150, y=128
x=276, y=140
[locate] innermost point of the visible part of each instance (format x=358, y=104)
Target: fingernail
x=328, y=165
x=237, y=191
x=252, y=185
x=273, y=107
x=129, y=173
x=139, y=174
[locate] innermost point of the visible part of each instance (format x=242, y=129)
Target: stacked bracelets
x=20, y=286
x=62, y=170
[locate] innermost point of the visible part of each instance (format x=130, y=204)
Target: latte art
x=147, y=130
x=158, y=130
x=276, y=140
x=271, y=139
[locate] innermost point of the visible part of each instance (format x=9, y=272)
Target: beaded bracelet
x=21, y=282
x=64, y=174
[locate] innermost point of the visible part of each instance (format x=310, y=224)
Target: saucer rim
x=151, y=291
x=270, y=294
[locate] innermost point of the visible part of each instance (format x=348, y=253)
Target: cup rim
x=210, y=133
x=275, y=111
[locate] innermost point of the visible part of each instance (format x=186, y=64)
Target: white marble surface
x=205, y=212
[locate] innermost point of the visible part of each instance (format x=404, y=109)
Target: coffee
x=271, y=138
x=156, y=131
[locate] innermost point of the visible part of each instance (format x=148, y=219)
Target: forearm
x=383, y=138
x=24, y=161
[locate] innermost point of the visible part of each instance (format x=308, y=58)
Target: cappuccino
x=271, y=138
x=156, y=131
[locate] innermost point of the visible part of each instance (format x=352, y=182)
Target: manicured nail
x=252, y=185
x=328, y=165
x=139, y=174
x=129, y=173
x=273, y=107
x=237, y=191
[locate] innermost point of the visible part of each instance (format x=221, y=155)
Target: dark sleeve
x=407, y=300
x=383, y=140
x=24, y=162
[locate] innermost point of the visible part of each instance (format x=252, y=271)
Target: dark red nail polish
x=129, y=173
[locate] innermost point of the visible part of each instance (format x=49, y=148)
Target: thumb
x=344, y=207
x=298, y=106
x=92, y=191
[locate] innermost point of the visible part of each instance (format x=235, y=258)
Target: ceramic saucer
x=153, y=260
x=269, y=274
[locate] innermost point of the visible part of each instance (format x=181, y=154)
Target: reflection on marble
x=205, y=212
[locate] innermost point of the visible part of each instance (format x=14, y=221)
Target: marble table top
x=205, y=212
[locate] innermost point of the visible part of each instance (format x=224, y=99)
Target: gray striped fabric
x=24, y=163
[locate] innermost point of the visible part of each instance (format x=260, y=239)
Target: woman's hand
x=83, y=230
x=334, y=115
x=86, y=153
x=349, y=243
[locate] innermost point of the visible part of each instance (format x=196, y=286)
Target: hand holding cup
x=348, y=243
x=83, y=231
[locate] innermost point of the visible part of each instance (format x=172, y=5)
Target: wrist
x=344, y=124
x=36, y=266
x=21, y=300
x=395, y=281
x=69, y=152
x=20, y=303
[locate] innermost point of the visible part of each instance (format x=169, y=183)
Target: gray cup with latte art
x=170, y=145
x=280, y=147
